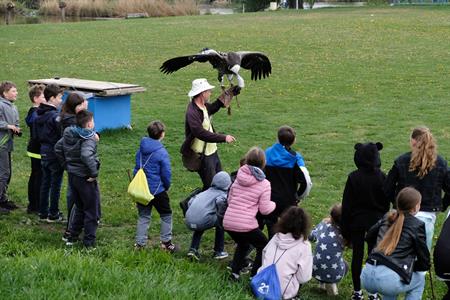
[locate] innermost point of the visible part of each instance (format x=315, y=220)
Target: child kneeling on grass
x=76, y=151
x=154, y=159
x=290, y=250
x=329, y=265
x=206, y=210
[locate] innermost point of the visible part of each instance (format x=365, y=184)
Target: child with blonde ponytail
x=395, y=266
x=426, y=171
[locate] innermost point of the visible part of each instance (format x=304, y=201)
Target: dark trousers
x=357, y=240
x=269, y=221
x=218, y=240
x=210, y=167
x=86, y=197
x=52, y=174
x=447, y=296
x=5, y=173
x=244, y=240
x=34, y=185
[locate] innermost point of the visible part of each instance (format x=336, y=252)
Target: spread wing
x=257, y=62
x=174, y=64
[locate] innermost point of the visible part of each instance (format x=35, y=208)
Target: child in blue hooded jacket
x=156, y=164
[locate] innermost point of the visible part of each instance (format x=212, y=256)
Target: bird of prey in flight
x=226, y=63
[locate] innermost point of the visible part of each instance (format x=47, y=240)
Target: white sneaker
x=332, y=289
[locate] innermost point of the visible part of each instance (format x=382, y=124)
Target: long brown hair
x=424, y=152
x=407, y=199
x=296, y=221
x=256, y=157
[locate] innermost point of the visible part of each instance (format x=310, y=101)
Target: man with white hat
x=200, y=138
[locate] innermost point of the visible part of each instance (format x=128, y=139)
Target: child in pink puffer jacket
x=249, y=194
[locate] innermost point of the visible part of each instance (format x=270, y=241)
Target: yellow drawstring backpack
x=138, y=188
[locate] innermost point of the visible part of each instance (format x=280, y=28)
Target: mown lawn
x=340, y=76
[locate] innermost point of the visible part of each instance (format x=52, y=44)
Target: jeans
x=218, y=241
x=52, y=174
x=86, y=196
x=380, y=279
x=429, y=218
x=162, y=205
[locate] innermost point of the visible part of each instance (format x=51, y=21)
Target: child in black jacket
x=363, y=204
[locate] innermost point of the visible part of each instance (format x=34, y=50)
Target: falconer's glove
x=228, y=95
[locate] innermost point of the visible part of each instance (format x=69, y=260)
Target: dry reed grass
x=109, y=8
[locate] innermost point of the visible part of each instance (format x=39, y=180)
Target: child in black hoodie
x=363, y=204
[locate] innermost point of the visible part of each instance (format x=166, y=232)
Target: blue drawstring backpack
x=266, y=285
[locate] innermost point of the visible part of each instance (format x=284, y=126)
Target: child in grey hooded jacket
x=205, y=211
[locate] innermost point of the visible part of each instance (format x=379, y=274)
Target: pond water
x=19, y=19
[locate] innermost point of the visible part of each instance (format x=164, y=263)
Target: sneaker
x=168, y=246
x=357, y=295
x=220, y=255
x=66, y=236
x=234, y=277
x=138, y=247
x=43, y=218
x=332, y=289
x=58, y=218
x=248, y=266
x=4, y=211
x=8, y=205
x=71, y=240
x=373, y=297
x=193, y=254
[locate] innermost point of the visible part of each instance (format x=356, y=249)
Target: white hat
x=198, y=86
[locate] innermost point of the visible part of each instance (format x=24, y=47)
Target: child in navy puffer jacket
x=156, y=164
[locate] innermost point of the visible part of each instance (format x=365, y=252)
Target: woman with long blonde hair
x=400, y=255
x=426, y=171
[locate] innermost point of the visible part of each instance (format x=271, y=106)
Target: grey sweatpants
x=5, y=173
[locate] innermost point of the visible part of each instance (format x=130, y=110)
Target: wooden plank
x=104, y=88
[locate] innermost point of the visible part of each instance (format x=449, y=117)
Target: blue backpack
x=266, y=285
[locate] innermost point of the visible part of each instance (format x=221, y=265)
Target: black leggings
x=357, y=239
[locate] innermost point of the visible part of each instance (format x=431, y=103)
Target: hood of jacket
x=149, y=145
x=246, y=176
x=286, y=240
x=221, y=181
x=367, y=156
x=74, y=134
x=41, y=113
x=43, y=108
x=278, y=155
x=67, y=120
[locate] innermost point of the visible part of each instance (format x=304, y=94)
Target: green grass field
x=340, y=76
